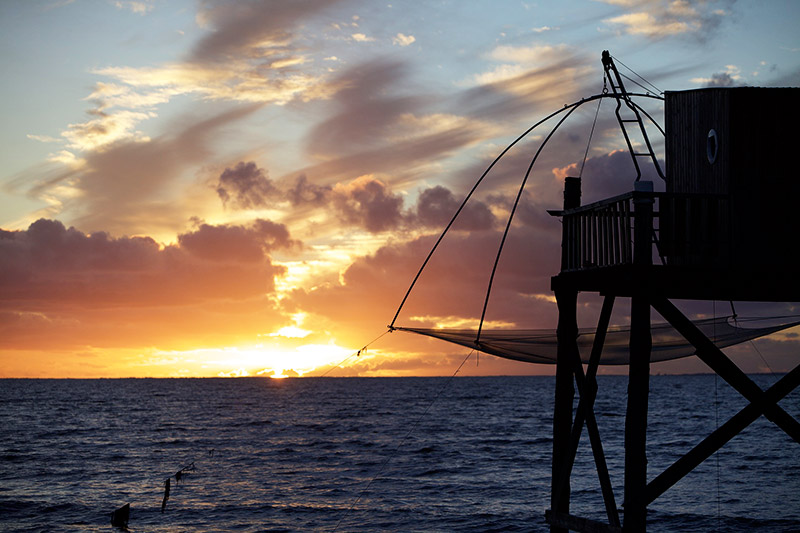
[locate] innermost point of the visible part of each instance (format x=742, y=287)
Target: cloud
x=124, y=187
x=236, y=242
x=603, y=175
x=303, y=192
x=251, y=29
x=367, y=112
x=251, y=53
x=367, y=202
x=535, y=55
x=245, y=186
x=452, y=285
x=135, y=6
x=105, y=129
x=403, y=40
x=437, y=205
x=657, y=19
x=94, y=289
x=528, y=81
x=729, y=78
x=361, y=38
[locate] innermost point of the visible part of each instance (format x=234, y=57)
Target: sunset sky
x=204, y=188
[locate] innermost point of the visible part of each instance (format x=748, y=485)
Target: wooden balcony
x=690, y=250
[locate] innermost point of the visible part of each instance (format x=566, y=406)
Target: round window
x=712, y=146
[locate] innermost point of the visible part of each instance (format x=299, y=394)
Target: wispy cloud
x=403, y=40
x=140, y=7
x=657, y=19
x=250, y=53
x=361, y=38
x=119, y=187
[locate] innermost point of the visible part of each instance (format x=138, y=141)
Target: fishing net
x=540, y=345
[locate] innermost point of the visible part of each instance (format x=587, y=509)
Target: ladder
x=617, y=88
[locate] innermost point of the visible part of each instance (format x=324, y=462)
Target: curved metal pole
x=656, y=124
x=511, y=216
x=485, y=172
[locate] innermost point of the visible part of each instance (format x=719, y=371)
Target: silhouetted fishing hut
x=724, y=229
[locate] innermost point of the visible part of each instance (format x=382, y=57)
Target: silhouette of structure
x=721, y=231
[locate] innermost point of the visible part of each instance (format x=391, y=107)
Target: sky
x=212, y=188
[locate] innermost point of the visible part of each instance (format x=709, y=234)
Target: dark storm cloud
x=245, y=186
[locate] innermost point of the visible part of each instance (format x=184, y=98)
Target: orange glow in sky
x=190, y=189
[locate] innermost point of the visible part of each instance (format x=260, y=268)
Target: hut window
x=712, y=146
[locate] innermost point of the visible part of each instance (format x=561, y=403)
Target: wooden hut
x=724, y=229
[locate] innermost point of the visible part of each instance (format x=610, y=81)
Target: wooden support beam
x=594, y=433
x=636, y=416
x=727, y=370
x=638, y=374
x=587, y=388
x=567, y=335
x=720, y=436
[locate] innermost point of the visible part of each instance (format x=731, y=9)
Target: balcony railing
x=687, y=230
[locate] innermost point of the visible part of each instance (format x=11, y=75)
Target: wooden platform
x=685, y=283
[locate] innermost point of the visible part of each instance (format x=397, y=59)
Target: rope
x=735, y=321
x=354, y=354
x=591, y=133
x=357, y=353
x=658, y=91
x=402, y=441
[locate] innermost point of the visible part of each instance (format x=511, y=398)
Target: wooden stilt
x=636, y=416
x=638, y=374
x=567, y=333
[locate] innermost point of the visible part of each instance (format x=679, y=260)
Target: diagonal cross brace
x=725, y=368
x=587, y=389
x=719, y=437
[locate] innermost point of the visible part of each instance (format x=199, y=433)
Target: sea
x=367, y=454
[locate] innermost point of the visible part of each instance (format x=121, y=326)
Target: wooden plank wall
x=758, y=133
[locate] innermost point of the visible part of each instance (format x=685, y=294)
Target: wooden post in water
x=639, y=370
x=567, y=334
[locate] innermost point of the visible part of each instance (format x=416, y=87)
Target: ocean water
x=366, y=454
